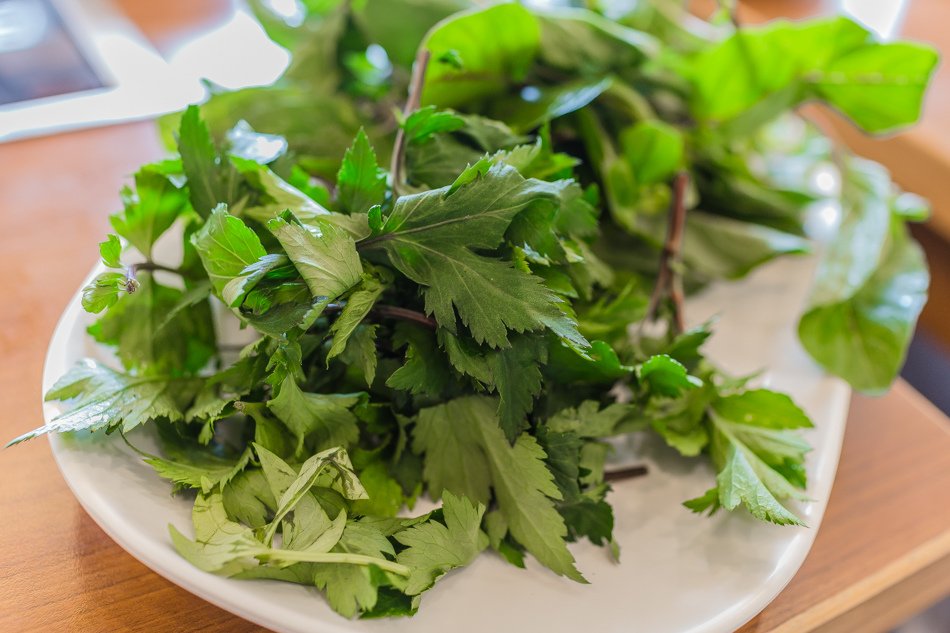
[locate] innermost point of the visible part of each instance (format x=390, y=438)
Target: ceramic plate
x=678, y=573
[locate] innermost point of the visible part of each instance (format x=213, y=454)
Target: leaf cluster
x=473, y=332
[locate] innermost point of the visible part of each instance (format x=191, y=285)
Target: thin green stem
x=333, y=558
x=132, y=284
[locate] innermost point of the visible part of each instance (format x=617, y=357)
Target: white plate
x=678, y=573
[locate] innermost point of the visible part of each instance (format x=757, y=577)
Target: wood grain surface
x=882, y=552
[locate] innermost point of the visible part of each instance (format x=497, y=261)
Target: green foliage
x=757, y=73
x=472, y=332
x=870, y=287
x=361, y=182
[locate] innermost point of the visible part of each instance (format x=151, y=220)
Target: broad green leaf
x=110, y=251
x=666, y=376
x=870, y=286
x=654, y=150
x=549, y=102
x=227, y=247
x=761, y=71
x=399, y=25
x=324, y=255
x=428, y=121
x=586, y=43
x=495, y=46
x=762, y=408
x=103, y=291
x=864, y=338
x=881, y=86
x=599, y=364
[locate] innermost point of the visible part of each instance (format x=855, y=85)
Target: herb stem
x=151, y=266
x=391, y=312
x=303, y=556
x=395, y=312
x=132, y=283
x=397, y=164
x=625, y=473
x=669, y=282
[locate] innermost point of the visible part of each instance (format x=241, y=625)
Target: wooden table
x=882, y=553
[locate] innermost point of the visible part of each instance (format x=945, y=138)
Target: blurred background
x=67, y=64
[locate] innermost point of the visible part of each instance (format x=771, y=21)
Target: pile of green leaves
x=459, y=325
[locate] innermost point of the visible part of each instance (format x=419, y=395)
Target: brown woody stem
x=625, y=473
x=669, y=281
x=391, y=312
x=397, y=164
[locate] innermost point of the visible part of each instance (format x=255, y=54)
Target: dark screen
x=39, y=57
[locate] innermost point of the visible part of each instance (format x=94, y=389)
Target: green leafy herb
x=479, y=325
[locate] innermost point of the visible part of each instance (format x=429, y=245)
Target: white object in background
x=884, y=17
x=235, y=54
x=679, y=573
x=138, y=83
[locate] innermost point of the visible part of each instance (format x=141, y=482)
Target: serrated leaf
x=110, y=251
x=432, y=548
x=738, y=482
x=103, y=292
x=467, y=454
x=425, y=370
x=428, y=121
x=429, y=237
x=107, y=399
x=323, y=419
x=360, y=182
x=361, y=351
x=358, y=305
x=516, y=375
x=150, y=210
x=154, y=333
x=227, y=247
x=324, y=254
